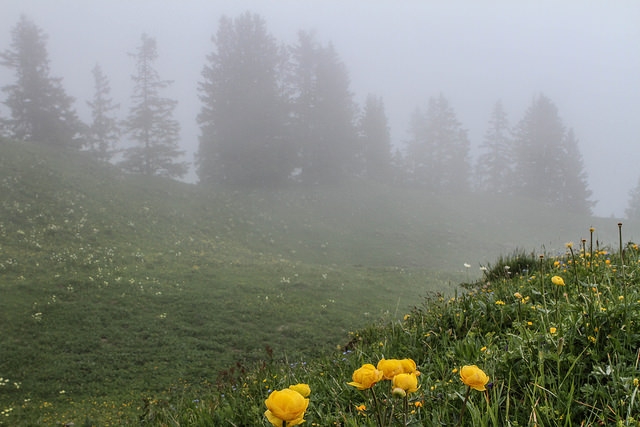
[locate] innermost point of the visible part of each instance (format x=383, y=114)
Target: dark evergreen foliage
x=633, y=209
x=244, y=137
x=150, y=123
x=103, y=133
x=438, y=150
x=323, y=113
x=40, y=109
x=549, y=167
x=375, y=140
x=495, y=164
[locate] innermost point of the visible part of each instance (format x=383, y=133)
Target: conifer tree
x=439, y=149
x=495, y=163
x=633, y=209
x=575, y=194
x=375, y=140
x=103, y=132
x=548, y=165
x=323, y=112
x=40, y=109
x=243, y=121
x=150, y=123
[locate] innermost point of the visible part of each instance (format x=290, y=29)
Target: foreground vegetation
x=126, y=297
x=558, y=337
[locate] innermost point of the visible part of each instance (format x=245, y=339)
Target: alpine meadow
x=247, y=239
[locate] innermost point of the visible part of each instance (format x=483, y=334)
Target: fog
x=583, y=55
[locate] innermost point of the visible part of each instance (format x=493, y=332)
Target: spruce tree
x=103, y=132
x=439, y=149
x=495, y=163
x=150, y=123
x=40, y=109
x=244, y=137
x=548, y=165
x=375, y=140
x=323, y=112
x=633, y=209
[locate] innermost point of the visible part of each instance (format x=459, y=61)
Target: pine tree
x=150, y=122
x=495, y=163
x=375, y=140
x=243, y=121
x=548, y=165
x=40, y=109
x=439, y=149
x=103, y=133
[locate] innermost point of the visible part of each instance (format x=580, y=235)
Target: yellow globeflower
x=557, y=280
x=303, y=389
x=286, y=406
x=365, y=377
x=409, y=367
x=390, y=368
x=393, y=367
x=474, y=377
x=407, y=382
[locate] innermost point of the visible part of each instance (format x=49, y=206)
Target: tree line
x=273, y=113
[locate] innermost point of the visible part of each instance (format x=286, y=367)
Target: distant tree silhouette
x=633, y=208
x=103, y=132
x=40, y=109
x=494, y=167
x=324, y=127
x=575, y=194
x=150, y=123
x=375, y=140
x=243, y=121
x=548, y=164
x=438, y=149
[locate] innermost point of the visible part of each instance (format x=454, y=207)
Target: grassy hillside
x=117, y=286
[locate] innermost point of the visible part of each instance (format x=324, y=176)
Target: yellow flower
x=552, y=330
x=518, y=295
x=286, y=405
x=303, y=389
x=407, y=382
x=557, y=280
x=361, y=408
x=365, y=377
x=500, y=302
x=393, y=367
x=474, y=377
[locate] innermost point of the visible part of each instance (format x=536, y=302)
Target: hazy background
x=584, y=55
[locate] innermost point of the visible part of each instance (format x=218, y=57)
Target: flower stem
x=464, y=403
x=405, y=406
x=376, y=409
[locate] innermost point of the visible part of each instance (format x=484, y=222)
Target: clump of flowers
x=402, y=373
x=286, y=408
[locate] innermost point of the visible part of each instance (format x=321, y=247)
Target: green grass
x=556, y=355
x=116, y=288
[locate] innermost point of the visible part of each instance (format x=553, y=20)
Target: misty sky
x=584, y=55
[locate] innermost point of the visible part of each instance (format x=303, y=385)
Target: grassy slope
x=142, y=281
